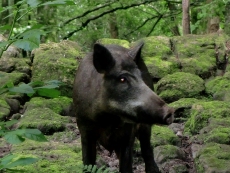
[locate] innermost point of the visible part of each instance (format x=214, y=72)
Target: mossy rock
x=44, y=119
x=105, y=41
x=178, y=85
x=9, y=64
x=219, y=88
x=162, y=135
x=156, y=46
x=196, y=53
x=183, y=107
x=65, y=137
x=218, y=131
x=165, y=153
x=56, y=104
x=14, y=78
x=4, y=109
x=57, y=61
x=213, y=158
x=155, y=53
x=184, y=103
x=53, y=156
x=159, y=68
x=202, y=111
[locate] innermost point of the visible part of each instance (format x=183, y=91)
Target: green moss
x=183, y=107
x=164, y=153
x=43, y=119
x=213, y=158
x=217, y=131
x=15, y=78
x=158, y=68
x=190, y=45
x=57, y=61
x=196, y=53
x=183, y=103
x=53, y=156
x=202, y=111
x=55, y=104
x=156, y=46
x=4, y=109
x=202, y=65
x=66, y=136
x=105, y=41
x=179, y=85
x=219, y=88
x=162, y=135
x=219, y=135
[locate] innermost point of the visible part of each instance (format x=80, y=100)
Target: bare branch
x=155, y=24
x=140, y=26
x=89, y=11
x=84, y=24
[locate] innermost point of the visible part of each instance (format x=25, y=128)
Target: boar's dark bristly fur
x=114, y=102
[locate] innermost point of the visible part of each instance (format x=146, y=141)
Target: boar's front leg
x=144, y=135
x=88, y=143
x=124, y=149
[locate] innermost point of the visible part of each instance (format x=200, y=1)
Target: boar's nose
x=169, y=117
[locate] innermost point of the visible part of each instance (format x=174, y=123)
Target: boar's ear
x=135, y=52
x=102, y=59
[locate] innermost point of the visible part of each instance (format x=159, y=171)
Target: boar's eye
x=122, y=79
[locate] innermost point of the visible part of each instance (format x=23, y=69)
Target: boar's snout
x=169, y=116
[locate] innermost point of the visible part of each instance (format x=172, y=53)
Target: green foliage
x=94, y=169
x=44, y=89
x=16, y=137
x=28, y=37
x=11, y=161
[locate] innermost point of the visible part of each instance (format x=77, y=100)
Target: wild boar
x=114, y=102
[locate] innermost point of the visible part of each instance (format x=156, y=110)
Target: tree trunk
x=227, y=19
x=213, y=23
x=174, y=29
x=186, y=17
x=4, y=14
x=113, y=28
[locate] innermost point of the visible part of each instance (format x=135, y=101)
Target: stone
x=219, y=88
x=162, y=135
x=165, y=153
x=44, y=119
x=4, y=110
x=57, y=61
x=56, y=104
x=120, y=42
x=202, y=111
x=213, y=158
x=179, y=85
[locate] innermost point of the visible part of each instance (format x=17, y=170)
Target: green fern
x=94, y=169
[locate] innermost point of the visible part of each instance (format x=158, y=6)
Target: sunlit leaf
x=59, y=2
x=34, y=134
x=7, y=159
x=11, y=161
x=30, y=41
x=36, y=83
x=26, y=44
x=54, y=82
x=22, y=88
x=9, y=123
x=13, y=138
x=52, y=93
x=33, y=3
